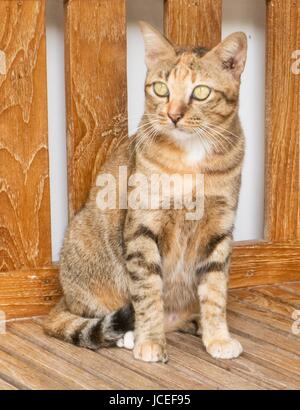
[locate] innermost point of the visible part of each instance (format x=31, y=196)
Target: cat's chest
x=179, y=247
x=180, y=281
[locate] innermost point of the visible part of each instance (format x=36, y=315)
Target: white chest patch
x=195, y=152
x=194, y=148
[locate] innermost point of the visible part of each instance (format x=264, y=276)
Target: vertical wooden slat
x=24, y=175
x=283, y=121
x=193, y=22
x=96, y=89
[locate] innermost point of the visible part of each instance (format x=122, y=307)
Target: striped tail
x=86, y=332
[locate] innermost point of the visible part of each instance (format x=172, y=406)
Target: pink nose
x=175, y=116
x=176, y=110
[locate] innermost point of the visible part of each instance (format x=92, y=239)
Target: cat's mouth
x=180, y=134
x=177, y=131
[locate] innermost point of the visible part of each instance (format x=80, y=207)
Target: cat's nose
x=176, y=110
x=175, y=116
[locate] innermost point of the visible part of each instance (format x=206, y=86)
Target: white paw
x=224, y=349
x=127, y=341
x=120, y=342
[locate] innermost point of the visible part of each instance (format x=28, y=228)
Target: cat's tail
x=91, y=333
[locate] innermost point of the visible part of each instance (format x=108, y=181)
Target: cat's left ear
x=233, y=53
x=157, y=47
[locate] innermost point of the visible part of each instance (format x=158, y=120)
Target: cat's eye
x=161, y=89
x=201, y=93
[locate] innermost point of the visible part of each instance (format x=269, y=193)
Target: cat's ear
x=233, y=53
x=157, y=47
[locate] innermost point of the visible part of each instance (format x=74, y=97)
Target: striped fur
x=91, y=333
x=152, y=269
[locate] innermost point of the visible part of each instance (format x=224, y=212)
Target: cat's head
x=191, y=90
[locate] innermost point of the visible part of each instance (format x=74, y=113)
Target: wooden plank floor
x=260, y=317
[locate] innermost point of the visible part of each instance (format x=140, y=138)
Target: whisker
x=217, y=133
x=199, y=133
x=223, y=129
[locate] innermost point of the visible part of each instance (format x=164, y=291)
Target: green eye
x=161, y=89
x=201, y=92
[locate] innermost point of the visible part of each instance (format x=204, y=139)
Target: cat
x=129, y=276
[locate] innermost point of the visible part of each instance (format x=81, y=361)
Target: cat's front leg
x=212, y=291
x=143, y=264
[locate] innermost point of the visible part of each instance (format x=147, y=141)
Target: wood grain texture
x=283, y=122
x=291, y=287
x=280, y=295
x=193, y=22
x=271, y=360
x=248, y=326
x=254, y=298
x=244, y=373
x=172, y=375
x=49, y=364
x=28, y=293
x=264, y=316
x=96, y=89
x=25, y=377
x=262, y=263
x=25, y=239
x=117, y=374
x=6, y=386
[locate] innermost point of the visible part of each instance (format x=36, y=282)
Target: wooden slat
x=253, y=298
x=264, y=263
x=280, y=295
x=6, y=386
x=96, y=89
x=247, y=326
x=283, y=121
x=95, y=364
x=34, y=292
x=242, y=367
x=265, y=317
x=68, y=375
x=25, y=377
x=28, y=293
x=193, y=22
x=285, y=363
x=292, y=287
x=25, y=239
x=117, y=363
x=174, y=375
x=30, y=359
x=219, y=376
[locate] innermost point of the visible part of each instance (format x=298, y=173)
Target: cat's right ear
x=157, y=47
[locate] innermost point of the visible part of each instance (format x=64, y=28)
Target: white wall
x=245, y=15
x=250, y=16
x=56, y=123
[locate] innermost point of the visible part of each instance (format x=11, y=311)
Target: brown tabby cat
x=151, y=270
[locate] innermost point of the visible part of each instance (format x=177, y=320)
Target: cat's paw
x=150, y=351
x=127, y=341
x=224, y=349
